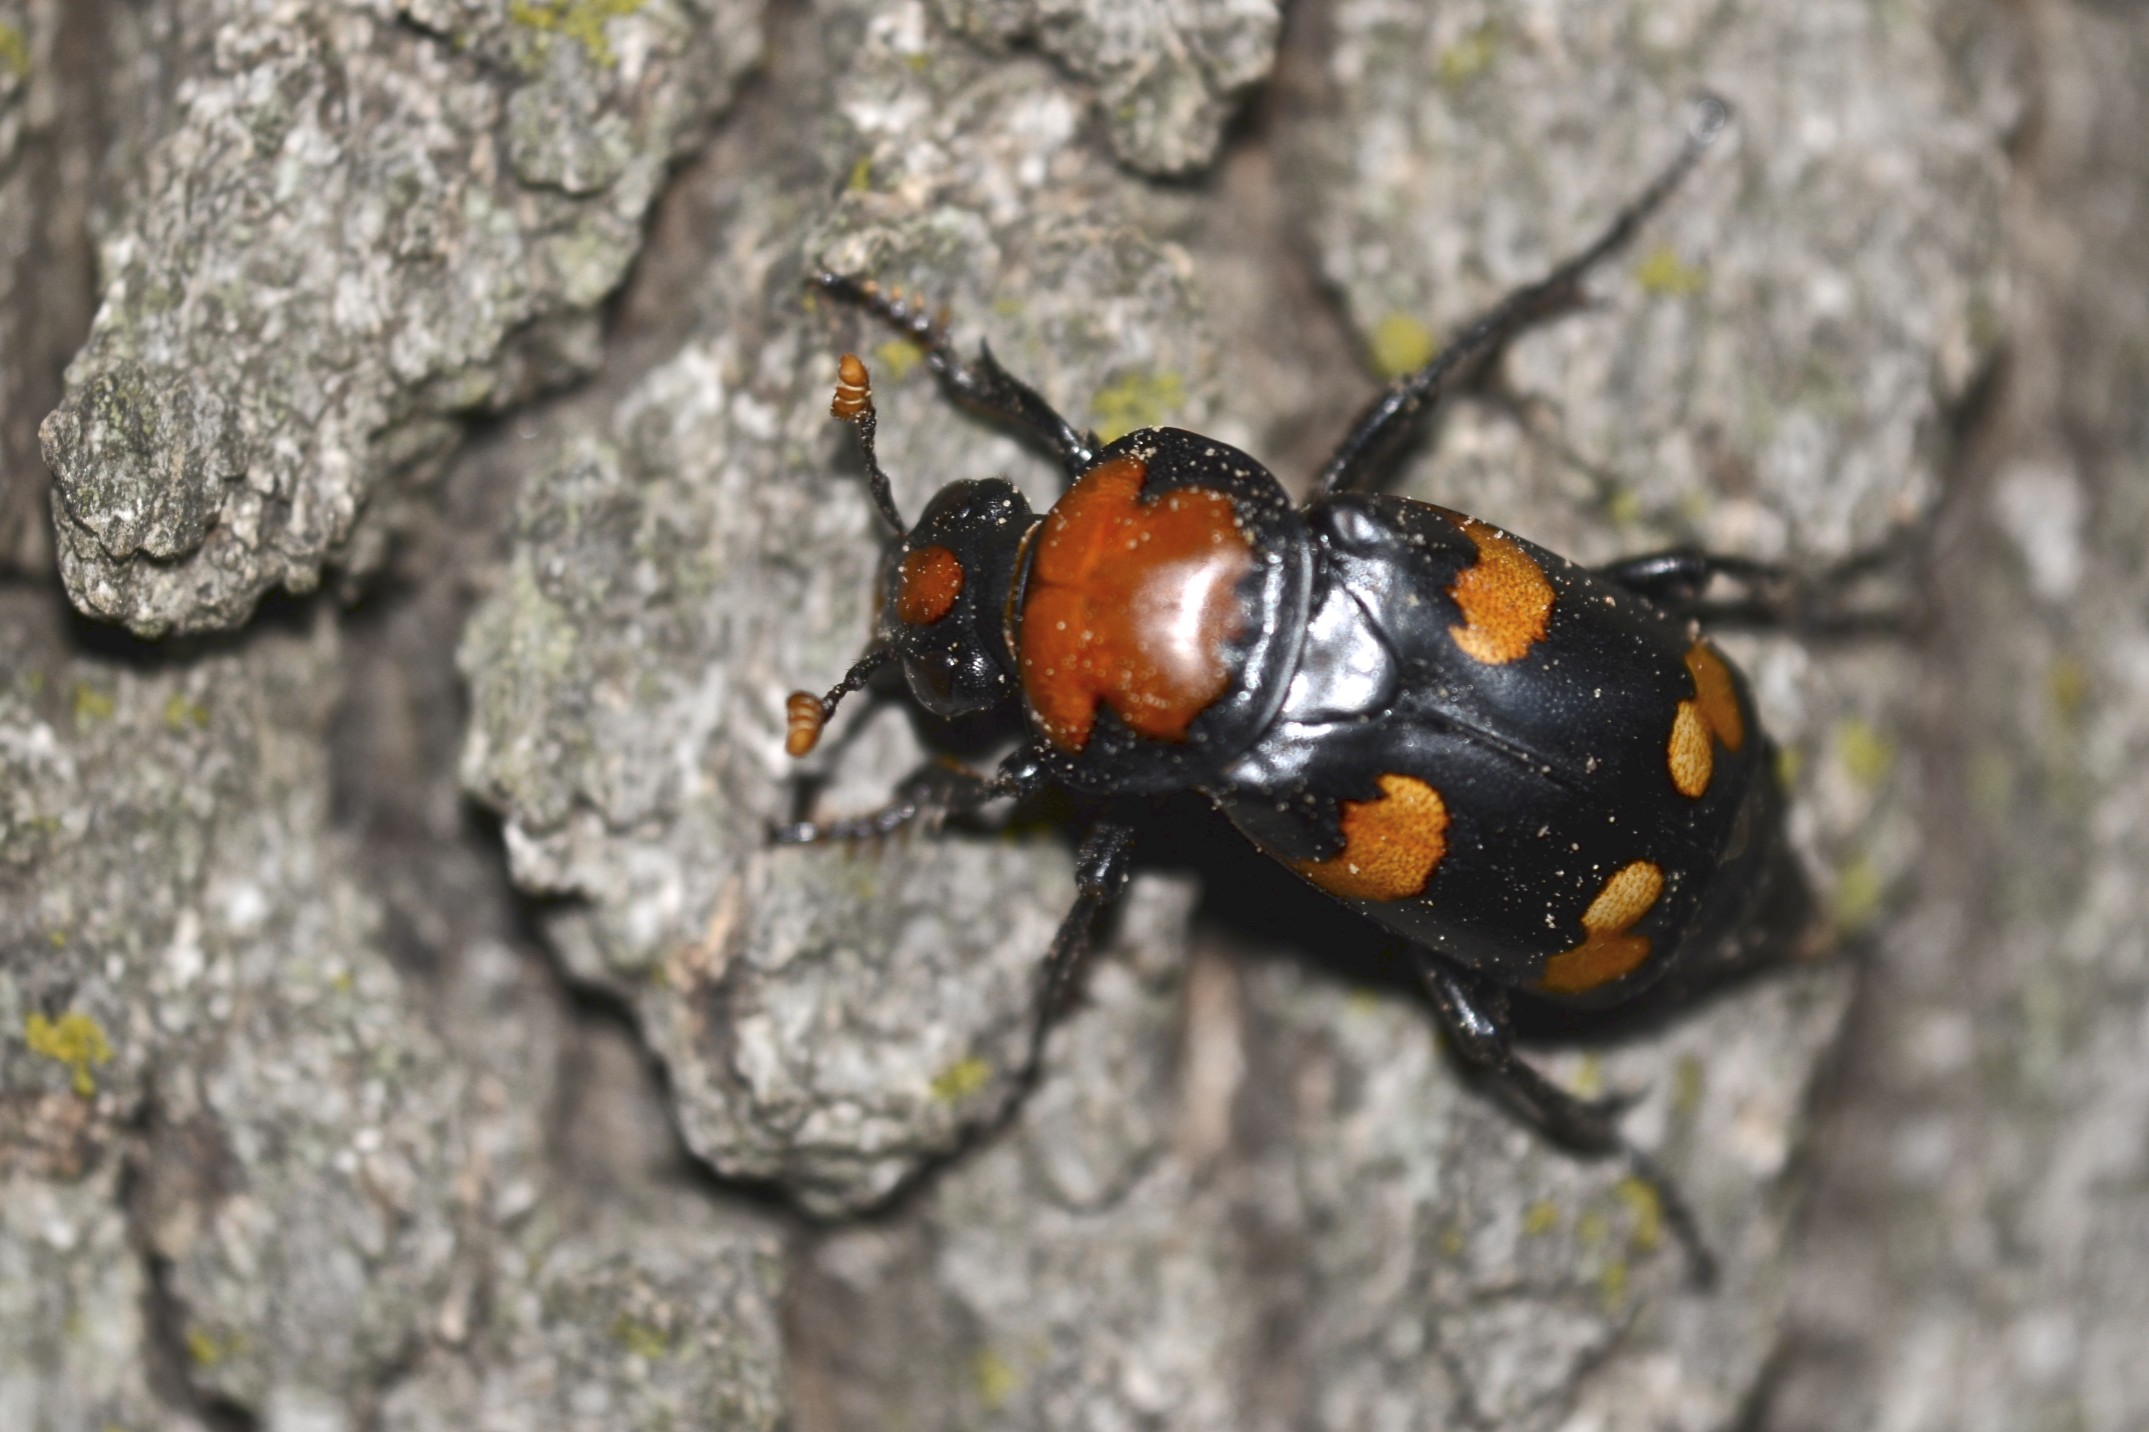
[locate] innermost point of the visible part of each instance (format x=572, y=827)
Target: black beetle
x=1541, y=776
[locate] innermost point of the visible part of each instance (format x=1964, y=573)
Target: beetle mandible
x=1540, y=776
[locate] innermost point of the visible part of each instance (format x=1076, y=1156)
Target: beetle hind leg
x=1475, y=1014
x=1769, y=596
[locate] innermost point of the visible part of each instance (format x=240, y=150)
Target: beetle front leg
x=984, y=385
x=929, y=795
x=1102, y=865
x=1475, y=1014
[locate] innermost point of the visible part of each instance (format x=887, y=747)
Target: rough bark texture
x=404, y=1023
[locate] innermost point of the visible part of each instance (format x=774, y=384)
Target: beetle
x=1540, y=777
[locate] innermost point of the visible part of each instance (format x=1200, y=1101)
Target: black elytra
x=1540, y=776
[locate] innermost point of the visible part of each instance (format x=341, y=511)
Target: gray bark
x=405, y=1024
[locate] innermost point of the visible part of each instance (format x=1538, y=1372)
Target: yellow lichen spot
x=208, y=1350
x=1540, y=1218
x=1623, y=506
x=1468, y=57
x=1609, y=952
x=640, y=1337
x=582, y=21
x=91, y=704
x=1400, y=344
x=75, y=1040
x=897, y=357
x=961, y=1079
x=1789, y=762
x=1648, y=1210
x=1452, y=1241
x=2067, y=681
x=1661, y=274
x=861, y=178
x=1612, y=1285
x=1505, y=600
x=180, y=713
x=1865, y=753
x=56, y=938
x=1588, y=1081
x=14, y=52
x=1391, y=844
x=1140, y=399
x=994, y=1379
x=1689, y=1081
x=1857, y=895
x=916, y=61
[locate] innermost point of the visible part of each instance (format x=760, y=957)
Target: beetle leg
x=929, y=795
x=1675, y=579
x=984, y=385
x=1475, y=1014
x=1101, y=868
x=1390, y=415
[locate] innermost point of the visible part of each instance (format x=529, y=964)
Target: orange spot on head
x=1690, y=756
x=1715, y=695
x=803, y=718
x=1505, y=598
x=927, y=584
x=854, y=389
x=1131, y=602
x=1714, y=712
x=1391, y=844
x=1609, y=951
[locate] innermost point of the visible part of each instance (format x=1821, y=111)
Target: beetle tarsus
x=1101, y=869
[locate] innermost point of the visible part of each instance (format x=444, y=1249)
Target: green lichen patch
x=14, y=52
x=75, y=1040
x=961, y=1079
x=1662, y=274
x=1139, y=399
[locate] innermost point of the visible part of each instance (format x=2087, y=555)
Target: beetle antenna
x=805, y=713
x=854, y=404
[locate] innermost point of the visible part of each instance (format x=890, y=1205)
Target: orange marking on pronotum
x=1610, y=951
x=1713, y=712
x=1391, y=844
x=1131, y=602
x=927, y=585
x=1505, y=599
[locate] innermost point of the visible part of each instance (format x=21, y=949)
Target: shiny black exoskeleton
x=1540, y=776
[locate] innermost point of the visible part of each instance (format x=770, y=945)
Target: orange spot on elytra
x=1714, y=711
x=1610, y=951
x=927, y=585
x=1131, y=602
x=1691, y=758
x=1391, y=844
x=1505, y=598
x=1713, y=692
x=854, y=389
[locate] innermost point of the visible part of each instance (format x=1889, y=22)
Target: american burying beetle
x=1541, y=776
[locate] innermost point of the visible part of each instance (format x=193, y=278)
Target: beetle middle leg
x=1102, y=865
x=1475, y=1014
x=983, y=385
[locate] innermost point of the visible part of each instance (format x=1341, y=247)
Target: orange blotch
x=1131, y=602
x=1690, y=756
x=1714, y=712
x=927, y=585
x=1610, y=951
x=1715, y=695
x=1391, y=844
x=1505, y=598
